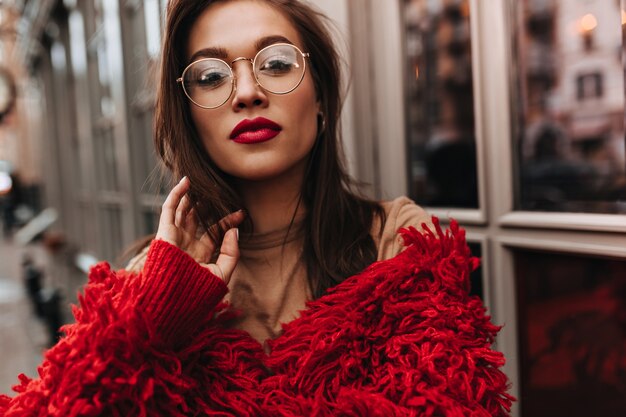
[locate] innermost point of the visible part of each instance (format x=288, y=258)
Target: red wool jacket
x=402, y=338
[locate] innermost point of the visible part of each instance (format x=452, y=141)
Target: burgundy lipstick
x=256, y=130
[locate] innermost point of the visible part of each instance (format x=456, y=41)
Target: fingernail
x=182, y=179
x=237, y=233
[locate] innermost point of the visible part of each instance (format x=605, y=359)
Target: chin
x=258, y=174
x=267, y=171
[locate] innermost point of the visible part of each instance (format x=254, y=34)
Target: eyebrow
x=221, y=53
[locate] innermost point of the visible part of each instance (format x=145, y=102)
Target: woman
x=247, y=114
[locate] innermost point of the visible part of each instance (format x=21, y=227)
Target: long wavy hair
x=338, y=219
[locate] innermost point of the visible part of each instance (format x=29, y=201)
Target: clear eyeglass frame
x=233, y=78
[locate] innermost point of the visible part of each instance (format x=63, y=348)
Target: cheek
x=309, y=108
x=305, y=133
x=200, y=121
x=206, y=127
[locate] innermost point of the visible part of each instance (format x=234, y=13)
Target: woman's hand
x=178, y=225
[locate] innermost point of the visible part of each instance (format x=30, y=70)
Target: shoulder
x=137, y=262
x=400, y=212
x=404, y=212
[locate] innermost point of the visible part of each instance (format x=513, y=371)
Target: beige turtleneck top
x=269, y=285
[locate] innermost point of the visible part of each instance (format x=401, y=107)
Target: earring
x=321, y=126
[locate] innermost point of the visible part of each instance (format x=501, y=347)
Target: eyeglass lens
x=278, y=69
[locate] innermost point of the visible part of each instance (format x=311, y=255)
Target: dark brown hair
x=338, y=221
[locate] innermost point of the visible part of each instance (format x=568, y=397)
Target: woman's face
x=240, y=29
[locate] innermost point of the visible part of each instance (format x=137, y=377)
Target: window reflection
x=111, y=221
x=153, y=27
x=77, y=43
x=440, y=108
x=476, y=277
x=572, y=335
x=571, y=138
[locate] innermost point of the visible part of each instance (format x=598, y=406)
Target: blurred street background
x=22, y=336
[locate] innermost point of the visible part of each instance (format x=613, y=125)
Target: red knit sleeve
x=177, y=293
x=125, y=354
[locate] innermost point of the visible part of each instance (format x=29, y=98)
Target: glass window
x=111, y=221
x=163, y=11
x=86, y=229
x=590, y=86
x=476, y=277
x=58, y=58
x=154, y=12
x=77, y=43
x=106, y=111
x=571, y=146
x=106, y=161
x=572, y=335
x=440, y=103
x=153, y=27
x=150, y=221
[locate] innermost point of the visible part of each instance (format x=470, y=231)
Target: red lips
x=256, y=130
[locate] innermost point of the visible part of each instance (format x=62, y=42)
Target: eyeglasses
x=278, y=69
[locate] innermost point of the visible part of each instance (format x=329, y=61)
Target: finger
x=208, y=246
x=216, y=270
x=212, y=237
x=229, y=254
x=191, y=222
x=182, y=211
x=170, y=205
x=227, y=222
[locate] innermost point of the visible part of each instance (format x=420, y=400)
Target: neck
x=271, y=204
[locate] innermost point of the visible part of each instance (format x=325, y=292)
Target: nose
x=248, y=93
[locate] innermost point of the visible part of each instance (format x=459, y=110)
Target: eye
x=210, y=78
x=277, y=66
x=207, y=74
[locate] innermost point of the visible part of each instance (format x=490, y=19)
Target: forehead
x=237, y=25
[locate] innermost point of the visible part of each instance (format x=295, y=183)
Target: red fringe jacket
x=402, y=338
